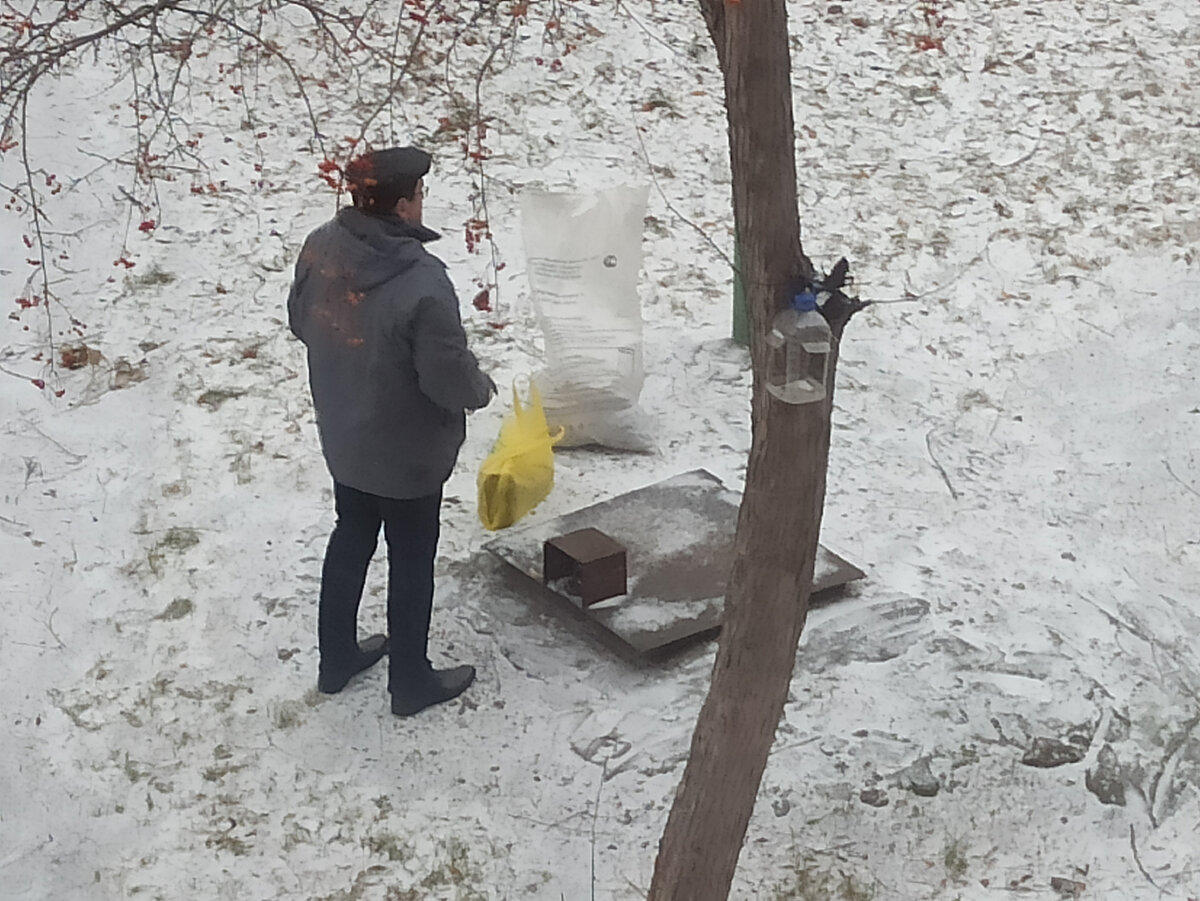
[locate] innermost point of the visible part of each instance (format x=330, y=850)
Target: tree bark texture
x=779, y=520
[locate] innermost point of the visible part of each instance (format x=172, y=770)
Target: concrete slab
x=678, y=534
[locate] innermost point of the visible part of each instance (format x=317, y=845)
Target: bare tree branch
x=342, y=65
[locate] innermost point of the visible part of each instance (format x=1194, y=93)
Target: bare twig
x=649, y=33
x=938, y=465
x=11, y=372
x=271, y=51
x=394, y=77
x=595, y=817
x=1138, y=860
x=27, y=849
x=670, y=206
x=1166, y=770
x=369, y=50
x=1114, y=620
x=1093, y=325
x=1138, y=630
x=14, y=522
x=1023, y=157
x=479, y=157
x=38, y=215
x=40, y=61
x=1167, y=463
x=75, y=458
x=49, y=624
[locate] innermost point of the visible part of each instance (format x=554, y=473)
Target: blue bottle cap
x=804, y=302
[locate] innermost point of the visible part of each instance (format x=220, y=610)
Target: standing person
x=391, y=379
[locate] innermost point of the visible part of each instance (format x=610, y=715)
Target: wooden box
x=591, y=563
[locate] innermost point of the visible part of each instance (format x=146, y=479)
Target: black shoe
x=435, y=686
x=369, y=651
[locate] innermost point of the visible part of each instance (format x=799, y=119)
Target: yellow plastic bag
x=519, y=472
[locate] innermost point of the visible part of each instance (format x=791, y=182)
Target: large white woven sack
x=584, y=255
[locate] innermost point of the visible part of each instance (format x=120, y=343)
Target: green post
x=741, y=320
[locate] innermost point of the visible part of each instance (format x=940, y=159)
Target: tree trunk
x=779, y=521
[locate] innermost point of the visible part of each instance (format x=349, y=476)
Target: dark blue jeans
x=411, y=528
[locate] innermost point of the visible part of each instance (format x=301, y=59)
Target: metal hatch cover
x=678, y=534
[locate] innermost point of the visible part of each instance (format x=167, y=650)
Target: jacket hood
x=378, y=248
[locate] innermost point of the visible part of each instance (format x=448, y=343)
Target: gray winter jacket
x=388, y=363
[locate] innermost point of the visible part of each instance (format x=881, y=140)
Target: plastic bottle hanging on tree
x=800, y=343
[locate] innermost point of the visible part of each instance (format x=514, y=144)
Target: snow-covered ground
x=1014, y=465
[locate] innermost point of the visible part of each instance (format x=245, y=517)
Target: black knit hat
x=378, y=179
